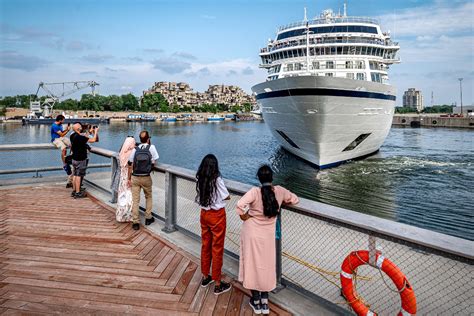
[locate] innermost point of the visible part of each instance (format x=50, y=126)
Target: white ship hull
x=327, y=120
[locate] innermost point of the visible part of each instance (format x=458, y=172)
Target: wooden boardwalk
x=64, y=256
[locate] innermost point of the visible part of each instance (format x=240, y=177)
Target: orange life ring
x=361, y=257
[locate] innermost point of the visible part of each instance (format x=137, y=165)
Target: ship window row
x=329, y=29
x=340, y=50
x=359, y=64
x=353, y=76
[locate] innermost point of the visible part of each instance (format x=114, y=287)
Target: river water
x=422, y=177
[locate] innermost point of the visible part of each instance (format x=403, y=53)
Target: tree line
x=125, y=102
x=431, y=109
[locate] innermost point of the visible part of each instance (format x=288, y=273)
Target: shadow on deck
x=66, y=256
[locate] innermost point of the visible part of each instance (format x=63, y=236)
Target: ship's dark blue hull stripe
x=325, y=92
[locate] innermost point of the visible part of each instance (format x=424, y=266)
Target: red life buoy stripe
x=361, y=257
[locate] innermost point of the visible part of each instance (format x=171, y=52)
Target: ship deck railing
x=315, y=239
x=323, y=41
x=349, y=19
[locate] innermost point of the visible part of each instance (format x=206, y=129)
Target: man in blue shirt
x=60, y=141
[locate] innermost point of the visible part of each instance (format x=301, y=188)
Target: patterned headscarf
x=126, y=150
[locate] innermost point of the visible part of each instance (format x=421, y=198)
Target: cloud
x=231, y=73
x=204, y=71
x=109, y=69
x=14, y=60
x=30, y=35
x=247, y=71
x=126, y=88
x=77, y=46
x=435, y=19
x=153, y=50
x=170, y=65
x=89, y=73
x=185, y=55
x=207, y=17
x=97, y=58
x=135, y=58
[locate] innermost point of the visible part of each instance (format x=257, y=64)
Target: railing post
x=372, y=249
x=170, y=202
x=115, y=166
x=278, y=237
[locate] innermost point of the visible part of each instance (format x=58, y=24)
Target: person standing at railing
x=140, y=164
x=79, y=147
x=259, y=208
x=124, y=196
x=59, y=139
x=211, y=195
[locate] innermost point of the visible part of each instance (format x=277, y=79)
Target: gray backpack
x=142, y=161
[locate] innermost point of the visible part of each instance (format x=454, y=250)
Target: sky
x=126, y=46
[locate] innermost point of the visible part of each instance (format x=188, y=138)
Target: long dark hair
x=206, y=177
x=270, y=203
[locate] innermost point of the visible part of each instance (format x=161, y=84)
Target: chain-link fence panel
x=188, y=214
x=313, y=251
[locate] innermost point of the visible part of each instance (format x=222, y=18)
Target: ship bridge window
x=329, y=29
x=356, y=142
x=360, y=76
x=329, y=65
x=315, y=64
x=376, y=77
x=350, y=75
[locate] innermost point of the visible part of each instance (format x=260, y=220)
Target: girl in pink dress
x=259, y=208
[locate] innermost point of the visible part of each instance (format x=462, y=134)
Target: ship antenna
x=345, y=8
x=305, y=17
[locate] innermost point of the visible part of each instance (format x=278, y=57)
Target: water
x=422, y=177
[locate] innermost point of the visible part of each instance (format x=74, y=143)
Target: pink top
x=253, y=200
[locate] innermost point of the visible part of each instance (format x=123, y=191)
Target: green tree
x=114, y=103
x=3, y=110
x=235, y=108
x=175, y=108
x=155, y=102
x=247, y=107
x=68, y=104
x=130, y=102
x=403, y=110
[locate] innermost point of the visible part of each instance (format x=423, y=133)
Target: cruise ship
x=327, y=98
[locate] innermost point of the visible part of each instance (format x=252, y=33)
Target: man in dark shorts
x=79, y=157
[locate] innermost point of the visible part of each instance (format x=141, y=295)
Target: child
x=211, y=196
x=257, y=266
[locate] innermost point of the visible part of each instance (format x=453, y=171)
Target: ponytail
x=270, y=203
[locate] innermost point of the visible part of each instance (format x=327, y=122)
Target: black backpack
x=142, y=161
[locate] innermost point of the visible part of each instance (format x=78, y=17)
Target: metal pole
x=278, y=251
x=460, y=88
x=115, y=166
x=170, y=202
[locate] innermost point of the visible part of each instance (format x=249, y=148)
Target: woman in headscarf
x=124, y=199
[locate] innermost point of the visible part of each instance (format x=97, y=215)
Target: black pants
x=257, y=295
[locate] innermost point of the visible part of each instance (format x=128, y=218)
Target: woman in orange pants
x=211, y=196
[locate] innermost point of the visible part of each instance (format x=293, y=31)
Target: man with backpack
x=140, y=165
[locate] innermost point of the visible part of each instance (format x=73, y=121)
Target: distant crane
x=57, y=90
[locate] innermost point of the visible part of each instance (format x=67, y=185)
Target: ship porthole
x=404, y=121
x=434, y=122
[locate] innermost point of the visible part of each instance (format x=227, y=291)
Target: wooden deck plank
x=234, y=303
x=222, y=303
x=57, y=260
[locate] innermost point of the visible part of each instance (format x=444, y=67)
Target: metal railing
x=349, y=19
x=317, y=237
